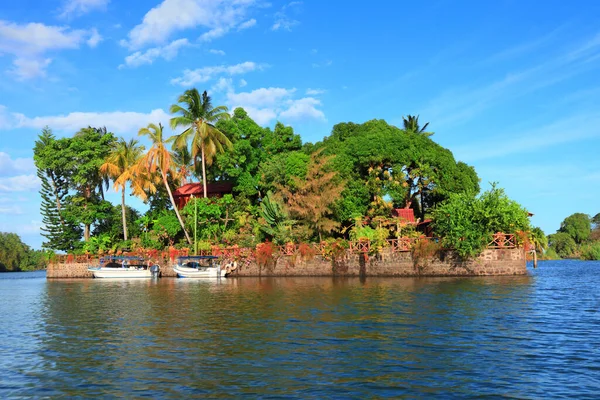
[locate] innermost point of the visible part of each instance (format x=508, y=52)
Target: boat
x=124, y=267
x=199, y=267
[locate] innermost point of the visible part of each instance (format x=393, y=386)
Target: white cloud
x=529, y=141
x=245, y=25
x=20, y=183
x=214, y=34
x=266, y=104
x=167, y=52
x=223, y=85
x=217, y=52
x=94, y=39
x=115, y=121
x=243, y=83
x=283, y=20
x=79, y=7
x=201, y=75
x=24, y=68
x=305, y=108
x=262, y=97
x=29, y=42
x=8, y=166
x=11, y=210
x=171, y=16
x=314, y=92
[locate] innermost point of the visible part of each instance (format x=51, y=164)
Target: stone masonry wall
x=446, y=263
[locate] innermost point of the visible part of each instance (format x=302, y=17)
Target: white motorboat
x=124, y=267
x=199, y=267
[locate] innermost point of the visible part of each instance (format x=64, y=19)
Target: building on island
x=195, y=190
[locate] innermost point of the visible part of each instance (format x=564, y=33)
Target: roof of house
x=407, y=214
x=197, y=189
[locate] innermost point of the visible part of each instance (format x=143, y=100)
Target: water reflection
x=308, y=337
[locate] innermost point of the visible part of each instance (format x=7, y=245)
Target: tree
x=310, y=198
x=577, y=226
x=563, y=244
x=17, y=256
x=158, y=158
x=49, y=157
x=538, y=239
x=411, y=125
x=467, y=223
x=198, y=117
x=122, y=165
x=86, y=153
x=382, y=164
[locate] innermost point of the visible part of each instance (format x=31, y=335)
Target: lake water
x=535, y=336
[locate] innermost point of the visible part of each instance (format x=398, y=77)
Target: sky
x=510, y=87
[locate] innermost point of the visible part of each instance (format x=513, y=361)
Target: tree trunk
x=203, y=171
x=164, y=176
x=123, y=212
x=86, y=232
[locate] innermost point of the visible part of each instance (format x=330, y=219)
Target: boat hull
x=120, y=273
x=210, y=272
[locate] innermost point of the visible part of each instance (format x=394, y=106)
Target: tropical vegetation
x=343, y=187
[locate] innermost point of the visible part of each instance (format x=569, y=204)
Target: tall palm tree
x=198, y=116
x=122, y=166
x=411, y=124
x=159, y=159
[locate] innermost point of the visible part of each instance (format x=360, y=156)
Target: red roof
x=197, y=189
x=406, y=214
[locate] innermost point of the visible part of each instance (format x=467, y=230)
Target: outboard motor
x=155, y=270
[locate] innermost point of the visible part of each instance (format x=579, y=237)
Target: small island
x=368, y=194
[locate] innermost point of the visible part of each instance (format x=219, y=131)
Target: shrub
x=466, y=223
x=264, y=253
x=591, y=251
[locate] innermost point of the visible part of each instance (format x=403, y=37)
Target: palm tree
x=198, y=116
x=411, y=124
x=159, y=159
x=121, y=166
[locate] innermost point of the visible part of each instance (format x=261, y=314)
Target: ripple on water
x=523, y=337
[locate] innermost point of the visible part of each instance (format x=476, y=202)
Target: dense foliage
x=578, y=237
x=467, y=223
x=345, y=186
x=17, y=256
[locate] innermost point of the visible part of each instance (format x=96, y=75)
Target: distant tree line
x=17, y=256
x=577, y=237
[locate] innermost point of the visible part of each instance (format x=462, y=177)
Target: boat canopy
x=196, y=258
x=108, y=259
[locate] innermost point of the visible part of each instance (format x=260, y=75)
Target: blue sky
x=511, y=87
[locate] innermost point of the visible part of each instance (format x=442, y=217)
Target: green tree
x=411, y=125
x=122, y=165
x=563, y=244
x=467, y=223
x=578, y=226
x=394, y=167
x=158, y=158
x=49, y=156
x=538, y=239
x=86, y=153
x=198, y=116
x=17, y=256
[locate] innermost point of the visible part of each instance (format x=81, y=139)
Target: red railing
x=502, y=241
x=403, y=244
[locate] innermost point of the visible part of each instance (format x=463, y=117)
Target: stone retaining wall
x=446, y=263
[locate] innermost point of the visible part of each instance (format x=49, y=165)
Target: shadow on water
x=308, y=337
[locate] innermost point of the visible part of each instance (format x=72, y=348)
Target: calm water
x=536, y=336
